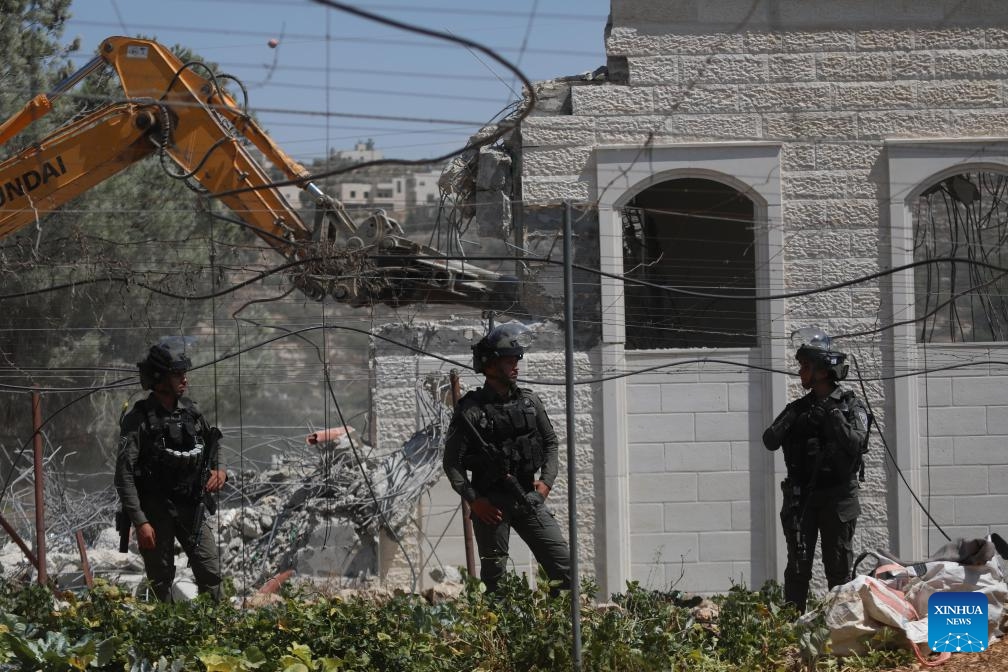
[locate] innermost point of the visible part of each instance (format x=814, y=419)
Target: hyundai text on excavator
x=172, y=109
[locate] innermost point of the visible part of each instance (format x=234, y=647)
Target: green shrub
x=519, y=629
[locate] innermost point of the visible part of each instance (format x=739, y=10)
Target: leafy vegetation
x=307, y=631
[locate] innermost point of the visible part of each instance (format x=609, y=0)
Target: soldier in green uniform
x=166, y=468
x=502, y=435
x=824, y=435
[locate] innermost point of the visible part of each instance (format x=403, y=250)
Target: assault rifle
x=797, y=512
x=205, y=503
x=799, y=498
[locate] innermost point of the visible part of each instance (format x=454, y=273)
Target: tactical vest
x=511, y=430
x=820, y=460
x=171, y=458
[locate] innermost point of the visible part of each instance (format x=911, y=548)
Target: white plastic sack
x=897, y=595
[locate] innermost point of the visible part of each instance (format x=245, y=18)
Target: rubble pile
x=318, y=510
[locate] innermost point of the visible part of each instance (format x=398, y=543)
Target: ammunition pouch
x=793, y=494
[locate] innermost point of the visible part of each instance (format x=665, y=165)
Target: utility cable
x=453, y=362
x=892, y=458
x=633, y=281
x=489, y=139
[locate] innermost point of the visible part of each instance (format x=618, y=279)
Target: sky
x=328, y=63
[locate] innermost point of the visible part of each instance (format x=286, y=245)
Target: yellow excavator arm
x=182, y=110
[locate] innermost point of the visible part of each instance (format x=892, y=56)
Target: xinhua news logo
x=957, y=622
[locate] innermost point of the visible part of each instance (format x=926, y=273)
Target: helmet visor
x=510, y=338
x=810, y=338
x=180, y=362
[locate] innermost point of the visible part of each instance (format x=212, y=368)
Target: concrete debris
x=598, y=75
x=478, y=184
x=443, y=592
x=493, y=169
x=446, y=574
x=492, y=214
x=319, y=510
x=553, y=98
x=706, y=614
x=457, y=178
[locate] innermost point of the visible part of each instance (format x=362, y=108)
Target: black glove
x=776, y=432
x=817, y=414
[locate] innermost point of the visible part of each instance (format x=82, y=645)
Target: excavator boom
x=183, y=111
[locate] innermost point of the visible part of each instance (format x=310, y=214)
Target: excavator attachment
x=181, y=111
x=373, y=262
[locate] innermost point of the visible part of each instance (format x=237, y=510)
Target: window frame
x=621, y=172
x=728, y=184
x=915, y=164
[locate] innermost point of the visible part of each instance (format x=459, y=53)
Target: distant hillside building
x=362, y=152
x=423, y=188
x=389, y=195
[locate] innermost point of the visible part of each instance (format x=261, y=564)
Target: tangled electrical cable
x=478, y=141
x=889, y=453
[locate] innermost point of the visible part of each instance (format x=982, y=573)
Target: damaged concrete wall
x=485, y=187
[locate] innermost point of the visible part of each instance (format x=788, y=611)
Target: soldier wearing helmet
x=824, y=435
x=500, y=433
x=166, y=468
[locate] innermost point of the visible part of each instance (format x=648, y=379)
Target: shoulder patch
x=862, y=416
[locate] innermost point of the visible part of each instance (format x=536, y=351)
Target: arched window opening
x=964, y=216
x=696, y=235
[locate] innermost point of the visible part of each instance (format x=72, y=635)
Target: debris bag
x=895, y=595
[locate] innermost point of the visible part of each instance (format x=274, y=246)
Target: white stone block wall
x=690, y=434
x=831, y=83
x=963, y=427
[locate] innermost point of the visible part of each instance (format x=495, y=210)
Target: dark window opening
x=964, y=217
x=696, y=235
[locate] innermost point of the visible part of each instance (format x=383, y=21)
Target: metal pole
x=19, y=541
x=40, y=551
x=85, y=565
x=571, y=464
x=467, y=526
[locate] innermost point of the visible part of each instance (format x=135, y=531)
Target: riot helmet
x=162, y=359
x=505, y=340
x=815, y=346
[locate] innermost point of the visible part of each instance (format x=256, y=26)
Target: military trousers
x=537, y=527
x=829, y=513
x=173, y=522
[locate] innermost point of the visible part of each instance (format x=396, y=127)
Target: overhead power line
x=319, y=37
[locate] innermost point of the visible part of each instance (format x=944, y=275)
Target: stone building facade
x=760, y=148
